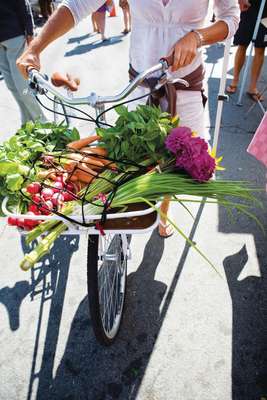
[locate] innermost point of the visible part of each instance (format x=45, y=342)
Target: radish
x=33, y=208
x=34, y=188
x=12, y=221
x=68, y=196
x=58, y=186
x=47, y=193
x=46, y=206
x=60, y=178
x=36, y=198
x=70, y=187
x=21, y=222
x=57, y=199
x=48, y=159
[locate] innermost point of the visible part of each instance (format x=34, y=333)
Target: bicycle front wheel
x=106, y=282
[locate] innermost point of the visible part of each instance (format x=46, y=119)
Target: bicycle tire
x=109, y=263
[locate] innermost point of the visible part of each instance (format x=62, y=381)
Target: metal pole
x=221, y=95
x=248, y=63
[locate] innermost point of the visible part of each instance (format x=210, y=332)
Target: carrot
x=83, y=176
x=100, y=151
x=78, y=144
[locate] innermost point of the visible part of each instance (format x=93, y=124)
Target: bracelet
x=200, y=38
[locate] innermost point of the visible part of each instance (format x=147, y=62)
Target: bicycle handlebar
x=41, y=84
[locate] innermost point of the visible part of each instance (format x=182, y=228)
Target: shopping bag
x=258, y=145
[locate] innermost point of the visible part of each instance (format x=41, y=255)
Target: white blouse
x=157, y=27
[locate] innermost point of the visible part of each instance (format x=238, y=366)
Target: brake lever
x=166, y=78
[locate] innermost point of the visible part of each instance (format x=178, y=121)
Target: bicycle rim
x=107, y=271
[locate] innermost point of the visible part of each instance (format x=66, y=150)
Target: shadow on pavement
x=48, y=283
x=79, y=39
x=89, y=371
x=86, y=48
x=249, y=290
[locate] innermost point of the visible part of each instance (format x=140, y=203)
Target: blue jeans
x=10, y=50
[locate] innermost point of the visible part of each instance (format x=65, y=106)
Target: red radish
x=34, y=188
x=46, y=206
x=47, y=193
x=12, y=221
x=21, y=222
x=30, y=223
x=58, y=186
x=57, y=199
x=60, y=178
x=34, y=208
x=68, y=196
x=48, y=159
x=69, y=187
x=36, y=198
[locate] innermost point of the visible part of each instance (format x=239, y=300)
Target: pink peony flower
x=191, y=154
x=177, y=138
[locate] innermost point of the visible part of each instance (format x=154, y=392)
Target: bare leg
x=101, y=23
x=165, y=229
x=256, y=69
x=240, y=57
x=94, y=23
x=126, y=19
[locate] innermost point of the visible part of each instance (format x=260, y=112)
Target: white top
x=157, y=27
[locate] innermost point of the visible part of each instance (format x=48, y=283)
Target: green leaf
x=14, y=182
x=8, y=167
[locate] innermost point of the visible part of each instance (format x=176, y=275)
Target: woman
x=159, y=27
x=126, y=16
x=249, y=14
x=99, y=19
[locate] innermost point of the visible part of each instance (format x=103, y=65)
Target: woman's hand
x=244, y=5
x=184, y=51
x=29, y=59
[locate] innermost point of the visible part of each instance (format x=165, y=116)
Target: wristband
x=200, y=38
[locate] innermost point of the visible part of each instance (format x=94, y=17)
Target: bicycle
x=107, y=254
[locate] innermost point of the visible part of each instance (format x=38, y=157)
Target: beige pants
x=10, y=50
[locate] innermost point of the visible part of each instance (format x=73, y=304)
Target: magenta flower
x=177, y=138
x=191, y=154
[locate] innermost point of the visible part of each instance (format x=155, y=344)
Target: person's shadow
x=245, y=269
x=86, y=48
x=48, y=284
x=90, y=371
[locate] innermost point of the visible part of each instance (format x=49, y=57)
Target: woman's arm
x=227, y=15
x=61, y=21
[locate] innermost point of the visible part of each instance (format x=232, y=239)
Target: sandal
x=256, y=96
x=231, y=89
x=169, y=230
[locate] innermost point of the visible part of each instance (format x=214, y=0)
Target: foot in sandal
x=165, y=229
x=255, y=96
x=232, y=88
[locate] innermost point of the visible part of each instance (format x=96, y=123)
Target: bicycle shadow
x=48, y=282
x=90, y=371
x=86, y=48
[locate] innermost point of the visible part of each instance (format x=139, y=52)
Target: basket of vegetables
x=53, y=181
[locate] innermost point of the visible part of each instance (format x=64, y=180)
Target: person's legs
x=126, y=19
x=94, y=23
x=101, y=23
x=5, y=69
x=191, y=113
x=257, y=63
x=29, y=107
x=240, y=58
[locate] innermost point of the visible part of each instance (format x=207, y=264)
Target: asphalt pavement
x=187, y=333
